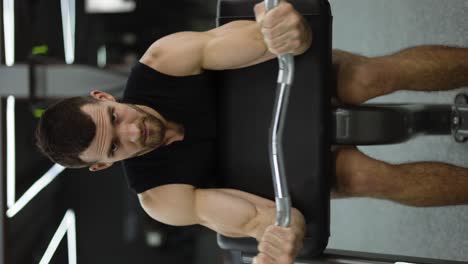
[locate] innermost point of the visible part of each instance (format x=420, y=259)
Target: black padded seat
x=246, y=98
x=389, y=123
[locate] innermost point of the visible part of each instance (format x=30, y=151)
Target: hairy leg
x=427, y=68
x=358, y=79
x=415, y=184
x=423, y=68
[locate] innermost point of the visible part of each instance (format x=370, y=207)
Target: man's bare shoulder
x=170, y=204
x=165, y=192
x=178, y=54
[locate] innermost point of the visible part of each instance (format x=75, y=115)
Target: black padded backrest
x=246, y=98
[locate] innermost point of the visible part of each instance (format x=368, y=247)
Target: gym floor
x=379, y=27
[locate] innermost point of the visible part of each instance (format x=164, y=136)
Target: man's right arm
x=234, y=45
x=229, y=212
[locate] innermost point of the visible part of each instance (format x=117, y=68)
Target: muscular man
x=164, y=129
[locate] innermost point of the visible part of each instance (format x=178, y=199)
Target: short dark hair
x=64, y=131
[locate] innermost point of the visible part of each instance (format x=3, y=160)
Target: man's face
x=122, y=131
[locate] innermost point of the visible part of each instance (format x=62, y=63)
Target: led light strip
x=40, y=184
x=66, y=227
x=11, y=151
x=68, y=26
x=9, y=29
x=13, y=205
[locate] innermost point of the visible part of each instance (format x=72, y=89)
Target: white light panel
x=11, y=151
x=9, y=31
x=66, y=227
x=109, y=6
x=68, y=27
x=38, y=186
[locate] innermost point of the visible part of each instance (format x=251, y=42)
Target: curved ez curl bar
x=285, y=80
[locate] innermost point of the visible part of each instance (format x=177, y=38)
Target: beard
x=156, y=130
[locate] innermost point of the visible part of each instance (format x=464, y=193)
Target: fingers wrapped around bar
x=284, y=29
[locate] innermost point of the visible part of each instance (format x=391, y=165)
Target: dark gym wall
x=110, y=224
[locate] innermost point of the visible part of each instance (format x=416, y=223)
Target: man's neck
x=174, y=132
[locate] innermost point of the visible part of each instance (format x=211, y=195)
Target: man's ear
x=100, y=166
x=100, y=95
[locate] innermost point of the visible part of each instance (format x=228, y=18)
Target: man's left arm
x=235, y=45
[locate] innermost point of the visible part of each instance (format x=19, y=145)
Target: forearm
x=235, y=45
x=241, y=43
x=250, y=216
x=267, y=215
x=233, y=213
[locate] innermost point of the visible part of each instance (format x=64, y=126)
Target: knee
x=359, y=82
x=354, y=183
x=360, y=176
x=349, y=178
